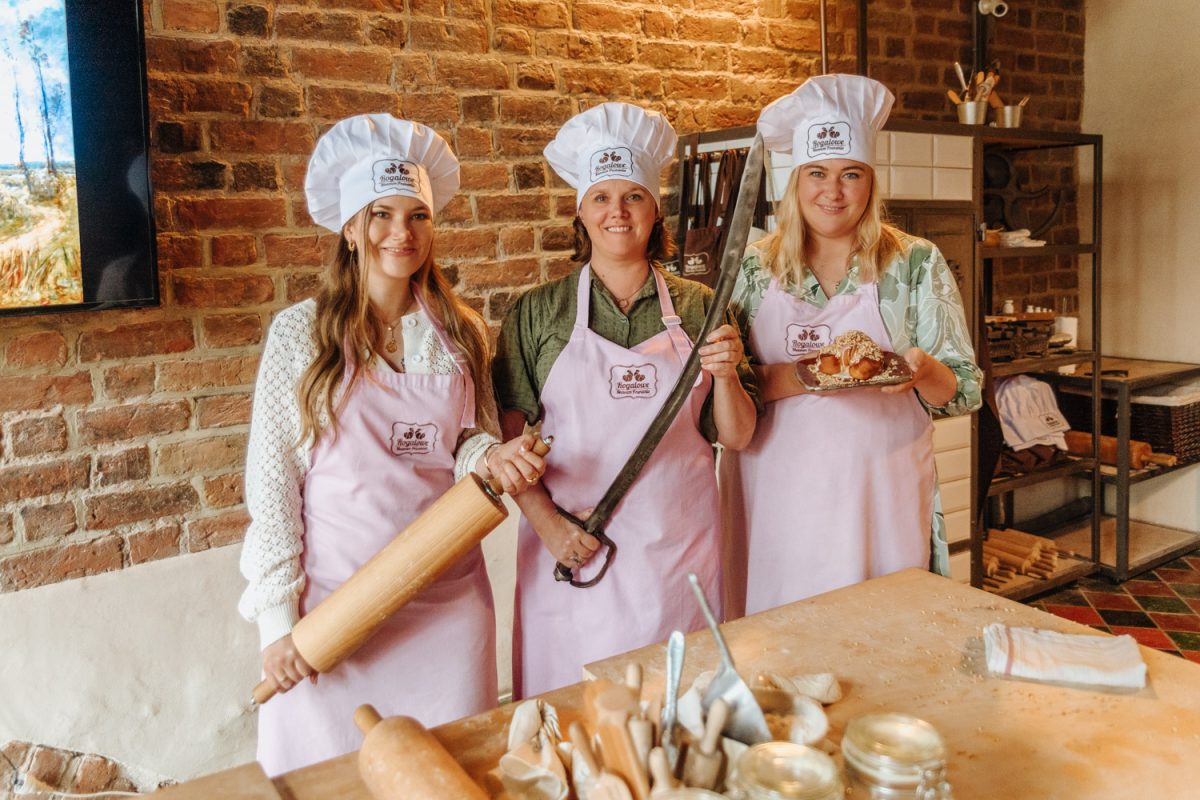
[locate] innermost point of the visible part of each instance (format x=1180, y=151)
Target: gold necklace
x=390, y=344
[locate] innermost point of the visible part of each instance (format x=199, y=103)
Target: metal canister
x=894, y=757
x=784, y=771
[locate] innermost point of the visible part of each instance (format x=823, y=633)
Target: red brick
x=658, y=23
x=181, y=95
x=127, y=465
x=26, y=392
x=129, y=380
x=223, y=491
x=387, y=32
x=273, y=138
x=153, y=544
x=531, y=14
x=51, y=521
x=536, y=110
x=6, y=536
x=53, y=564
x=180, y=252
x=703, y=86
x=516, y=41
x=144, y=503
x=213, y=373
x=442, y=35
x=523, y=141
x=31, y=437
x=471, y=72
x=318, y=25
x=204, y=213
x=139, y=339
x=203, y=56
x=336, y=102
x=431, y=108
x=538, y=76
x=516, y=241
x=36, y=480
x=604, y=81
x=511, y=207
x=332, y=63
x=227, y=528
x=696, y=28
x=298, y=251
x=466, y=243
x=198, y=16
x=234, y=250
x=414, y=71
x=211, y=292
x=232, y=330
x=41, y=349
x=196, y=456
x=500, y=274
x=302, y=285
x=132, y=420
x=476, y=176
x=15, y=752
x=93, y=773
x=558, y=237
x=472, y=142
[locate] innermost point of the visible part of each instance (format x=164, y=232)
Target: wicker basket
x=1166, y=417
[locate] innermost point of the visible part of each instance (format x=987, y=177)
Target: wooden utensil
x=702, y=766
x=454, y=524
x=610, y=708
x=602, y=785
x=247, y=782
x=400, y=760
x=1140, y=453
x=954, y=98
x=660, y=773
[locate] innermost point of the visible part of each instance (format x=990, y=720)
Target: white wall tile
x=912, y=149
x=952, y=151
x=911, y=183
x=950, y=183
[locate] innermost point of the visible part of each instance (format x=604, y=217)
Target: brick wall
x=123, y=432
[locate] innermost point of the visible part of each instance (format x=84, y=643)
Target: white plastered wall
x=151, y=666
x=1140, y=63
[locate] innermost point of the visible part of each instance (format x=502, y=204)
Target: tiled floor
x=1160, y=608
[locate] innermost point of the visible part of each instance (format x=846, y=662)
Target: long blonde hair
x=875, y=241
x=346, y=326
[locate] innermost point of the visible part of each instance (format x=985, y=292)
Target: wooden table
x=910, y=642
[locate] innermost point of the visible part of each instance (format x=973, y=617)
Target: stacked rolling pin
x=1008, y=553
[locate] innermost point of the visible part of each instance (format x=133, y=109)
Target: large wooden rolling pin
x=400, y=760
x=455, y=522
x=1140, y=453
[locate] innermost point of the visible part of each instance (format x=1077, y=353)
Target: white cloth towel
x=1112, y=661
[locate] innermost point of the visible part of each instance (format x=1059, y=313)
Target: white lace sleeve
x=275, y=471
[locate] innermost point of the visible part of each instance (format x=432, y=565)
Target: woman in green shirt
x=592, y=355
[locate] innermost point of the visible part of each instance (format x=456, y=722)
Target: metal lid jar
x=895, y=757
x=784, y=771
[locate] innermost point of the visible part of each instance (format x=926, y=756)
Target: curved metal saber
x=731, y=259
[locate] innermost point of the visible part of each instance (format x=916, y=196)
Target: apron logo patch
x=394, y=175
x=635, y=382
x=611, y=162
x=828, y=138
x=801, y=339
x=413, y=438
x=695, y=263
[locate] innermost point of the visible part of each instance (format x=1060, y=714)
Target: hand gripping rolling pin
x=443, y=533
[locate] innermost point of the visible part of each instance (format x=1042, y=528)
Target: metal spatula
x=746, y=722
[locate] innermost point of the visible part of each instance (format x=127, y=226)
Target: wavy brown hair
x=659, y=247
x=346, y=325
x=875, y=243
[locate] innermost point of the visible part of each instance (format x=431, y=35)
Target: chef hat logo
x=828, y=139
x=395, y=175
x=611, y=162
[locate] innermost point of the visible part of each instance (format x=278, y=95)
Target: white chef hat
x=612, y=140
x=829, y=116
x=369, y=156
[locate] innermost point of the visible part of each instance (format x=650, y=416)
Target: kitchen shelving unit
x=1129, y=547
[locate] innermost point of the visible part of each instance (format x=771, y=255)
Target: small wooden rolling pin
x=400, y=760
x=1140, y=453
x=443, y=533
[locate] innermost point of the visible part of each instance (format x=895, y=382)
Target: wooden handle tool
x=610, y=707
x=1140, y=453
x=660, y=773
x=602, y=785
x=702, y=767
x=954, y=98
x=448, y=529
x=400, y=760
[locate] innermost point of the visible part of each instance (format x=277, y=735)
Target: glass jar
x=894, y=757
x=784, y=771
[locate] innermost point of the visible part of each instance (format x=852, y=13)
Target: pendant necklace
x=390, y=345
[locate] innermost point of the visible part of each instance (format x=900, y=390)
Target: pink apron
x=834, y=488
x=599, y=398
x=434, y=659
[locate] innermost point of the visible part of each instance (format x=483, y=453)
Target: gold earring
x=350, y=244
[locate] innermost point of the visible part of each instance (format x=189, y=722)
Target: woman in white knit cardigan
x=371, y=400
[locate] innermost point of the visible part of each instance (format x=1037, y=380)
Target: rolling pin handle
x=262, y=693
x=366, y=718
